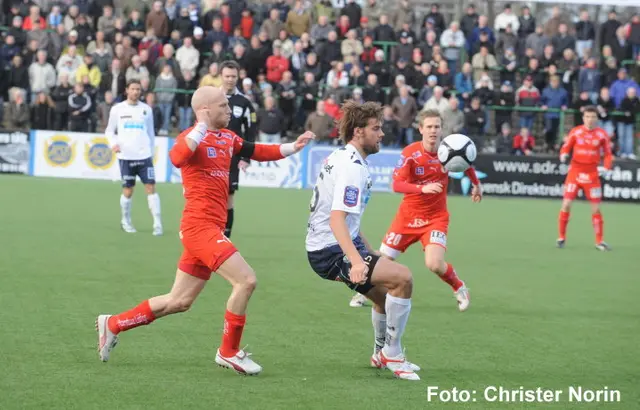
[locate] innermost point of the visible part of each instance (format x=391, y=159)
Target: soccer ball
x=457, y=152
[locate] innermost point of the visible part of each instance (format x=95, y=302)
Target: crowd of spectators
x=66, y=63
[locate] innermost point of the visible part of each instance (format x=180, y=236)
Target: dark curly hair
x=356, y=115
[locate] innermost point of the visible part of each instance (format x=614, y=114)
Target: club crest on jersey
x=211, y=152
x=400, y=161
x=420, y=171
x=237, y=111
x=351, y=194
x=416, y=154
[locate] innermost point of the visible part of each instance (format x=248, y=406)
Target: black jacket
x=243, y=117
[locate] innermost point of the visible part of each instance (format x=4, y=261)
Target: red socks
x=233, y=326
x=598, y=226
x=452, y=278
x=563, y=221
x=138, y=316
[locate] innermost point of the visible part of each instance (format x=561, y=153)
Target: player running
x=337, y=250
x=203, y=153
x=130, y=135
x=587, y=143
x=243, y=123
x=423, y=215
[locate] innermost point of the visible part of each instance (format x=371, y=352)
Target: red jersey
x=416, y=168
x=205, y=173
x=588, y=146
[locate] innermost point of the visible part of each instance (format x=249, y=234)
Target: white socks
x=125, y=208
x=154, y=207
x=398, y=310
x=379, y=321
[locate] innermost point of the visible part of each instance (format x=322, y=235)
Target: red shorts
x=205, y=249
x=405, y=231
x=588, y=182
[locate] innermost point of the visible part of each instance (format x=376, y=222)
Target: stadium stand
x=513, y=82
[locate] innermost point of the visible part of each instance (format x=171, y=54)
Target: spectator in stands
x=619, y=87
x=273, y=25
x=523, y=143
x=556, y=98
x=88, y=68
x=583, y=101
x=320, y=123
x=79, y=109
x=509, y=65
x=136, y=71
x=270, y=122
x=469, y=21
x=166, y=83
x=505, y=98
x=605, y=106
x=474, y=122
x=188, y=57
x=185, y=114
x=527, y=23
x=286, y=91
x=42, y=76
x=60, y=96
x=585, y=34
x=621, y=47
x=452, y=41
x=482, y=62
x=41, y=112
x=481, y=28
x=357, y=76
x=505, y=19
x=608, y=29
x=298, y=20
x=589, y=80
x=452, y=118
x=384, y=32
x=634, y=35
x=18, y=114
x=630, y=106
x=276, y=66
x=538, y=41
x=212, y=78
x=103, y=110
x=150, y=99
x=372, y=90
x=405, y=110
x=381, y=69
x=18, y=74
x=351, y=48
x=285, y=43
x=106, y=23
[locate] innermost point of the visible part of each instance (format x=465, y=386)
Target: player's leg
x=128, y=182
x=434, y=259
x=571, y=188
x=186, y=288
x=147, y=175
x=593, y=193
x=242, y=278
x=398, y=281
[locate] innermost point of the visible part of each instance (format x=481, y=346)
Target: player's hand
x=202, y=115
x=303, y=140
x=358, y=272
x=476, y=193
x=433, y=188
x=116, y=148
x=563, y=158
x=243, y=165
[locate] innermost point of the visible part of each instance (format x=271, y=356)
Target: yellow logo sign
x=98, y=154
x=59, y=151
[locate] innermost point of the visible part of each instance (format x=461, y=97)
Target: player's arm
x=186, y=145
x=150, y=130
x=567, y=147
x=402, y=182
x=367, y=244
x=608, y=156
x=347, y=199
x=251, y=126
x=476, y=191
x=270, y=152
x=110, y=131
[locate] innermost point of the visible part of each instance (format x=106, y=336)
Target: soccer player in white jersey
x=338, y=251
x=131, y=135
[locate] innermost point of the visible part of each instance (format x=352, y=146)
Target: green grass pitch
x=540, y=317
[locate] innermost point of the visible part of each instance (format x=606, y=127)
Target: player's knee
x=249, y=282
x=436, y=266
x=150, y=188
x=566, y=206
x=404, y=278
x=179, y=304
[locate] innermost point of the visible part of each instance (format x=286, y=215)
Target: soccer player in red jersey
x=587, y=144
x=203, y=153
x=423, y=215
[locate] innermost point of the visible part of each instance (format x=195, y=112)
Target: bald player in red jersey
x=423, y=216
x=203, y=153
x=588, y=146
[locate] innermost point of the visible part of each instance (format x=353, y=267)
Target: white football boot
x=463, y=297
x=107, y=340
x=241, y=363
x=377, y=363
x=157, y=230
x=358, y=300
x=127, y=227
x=399, y=366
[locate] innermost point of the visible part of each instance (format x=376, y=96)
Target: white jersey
x=131, y=127
x=344, y=184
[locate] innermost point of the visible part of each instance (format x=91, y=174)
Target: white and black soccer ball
x=457, y=152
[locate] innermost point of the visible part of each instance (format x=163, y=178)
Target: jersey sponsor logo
x=584, y=178
x=124, y=117
x=237, y=111
x=438, y=237
x=418, y=223
x=433, y=161
x=219, y=173
x=351, y=194
x=225, y=135
x=221, y=142
x=211, y=152
x=132, y=125
x=98, y=154
x=59, y=151
x=420, y=171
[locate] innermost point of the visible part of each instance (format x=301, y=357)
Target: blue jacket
x=618, y=90
x=554, y=98
x=463, y=84
x=589, y=80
